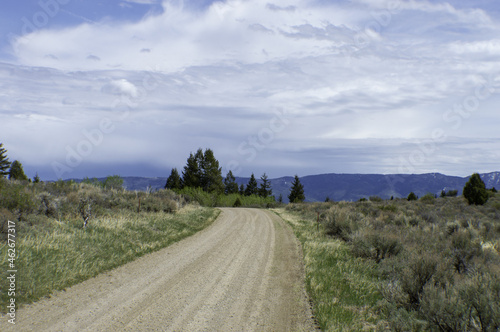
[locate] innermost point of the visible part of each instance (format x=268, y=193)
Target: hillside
x=349, y=187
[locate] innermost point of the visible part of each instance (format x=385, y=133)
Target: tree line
x=202, y=170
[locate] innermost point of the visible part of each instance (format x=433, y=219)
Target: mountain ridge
x=346, y=186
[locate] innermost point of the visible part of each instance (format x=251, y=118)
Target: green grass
x=62, y=253
x=344, y=289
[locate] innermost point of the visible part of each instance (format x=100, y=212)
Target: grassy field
x=55, y=251
x=426, y=265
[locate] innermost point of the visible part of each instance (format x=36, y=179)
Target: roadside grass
x=426, y=265
x=343, y=288
x=55, y=253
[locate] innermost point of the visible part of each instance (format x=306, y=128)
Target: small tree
x=230, y=185
x=211, y=179
x=4, y=162
x=297, y=191
x=280, y=198
x=412, y=196
x=475, y=190
x=251, y=188
x=113, y=182
x=265, y=187
x=174, y=180
x=16, y=171
x=242, y=190
x=36, y=179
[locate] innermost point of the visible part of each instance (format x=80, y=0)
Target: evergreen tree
x=280, y=198
x=251, y=188
x=297, y=191
x=412, y=196
x=16, y=171
x=36, y=179
x=475, y=190
x=211, y=179
x=192, y=174
x=230, y=185
x=265, y=187
x=4, y=162
x=242, y=189
x=174, y=180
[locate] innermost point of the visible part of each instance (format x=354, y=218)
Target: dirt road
x=243, y=273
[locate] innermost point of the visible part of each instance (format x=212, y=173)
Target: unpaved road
x=243, y=273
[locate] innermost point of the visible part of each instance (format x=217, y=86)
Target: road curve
x=243, y=273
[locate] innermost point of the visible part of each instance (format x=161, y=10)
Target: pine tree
x=230, y=185
x=251, y=188
x=4, y=162
x=297, y=191
x=412, y=196
x=36, y=179
x=174, y=180
x=16, y=171
x=192, y=174
x=265, y=187
x=211, y=180
x=280, y=198
x=475, y=190
x=242, y=190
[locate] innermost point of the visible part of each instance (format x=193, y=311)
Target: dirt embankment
x=243, y=273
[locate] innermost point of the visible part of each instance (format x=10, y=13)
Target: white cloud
x=214, y=78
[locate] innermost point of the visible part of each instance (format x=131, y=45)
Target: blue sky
x=94, y=88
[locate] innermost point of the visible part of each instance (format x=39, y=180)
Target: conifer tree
x=242, y=189
x=265, y=187
x=211, y=179
x=251, y=188
x=16, y=171
x=230, y=185
x=191, y=176
x=297, y=191
x=174, y=180
x=4, y=162
x=475, y=190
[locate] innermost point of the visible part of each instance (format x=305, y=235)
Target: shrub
x=463, y=250
x=237, y=202
x=428, y=198
x=375, y=199
x=339, y=224
x=419, y=270
x=375, y=245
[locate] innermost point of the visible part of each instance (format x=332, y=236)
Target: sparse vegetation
x=55, y=251
x=431, y=264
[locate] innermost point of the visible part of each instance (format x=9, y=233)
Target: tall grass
x=343, y=288
x=54, y=251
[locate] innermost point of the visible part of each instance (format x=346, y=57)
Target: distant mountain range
x=349, y=187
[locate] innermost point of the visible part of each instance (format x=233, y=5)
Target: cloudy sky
x=94, y=88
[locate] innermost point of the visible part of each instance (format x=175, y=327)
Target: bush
x=237, y=202
x=338, y=224
x=375, y=245
x=428, y=198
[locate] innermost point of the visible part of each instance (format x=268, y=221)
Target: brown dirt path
x=243, y=273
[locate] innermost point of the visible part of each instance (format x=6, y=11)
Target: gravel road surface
x=243, y=273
